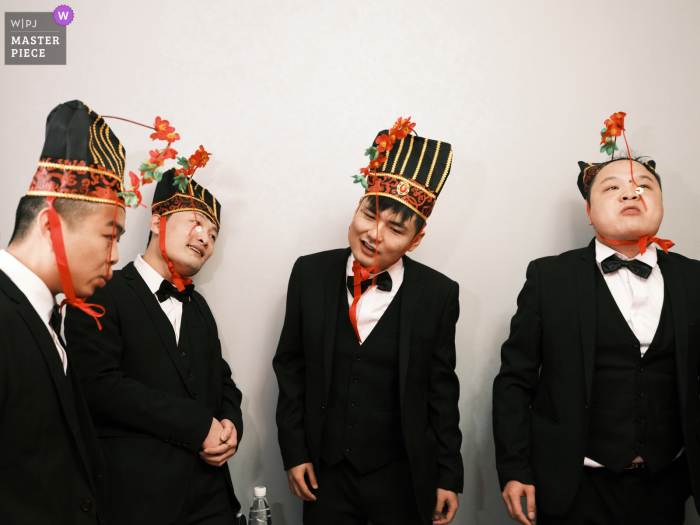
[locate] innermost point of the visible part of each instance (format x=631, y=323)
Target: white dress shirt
x=171, y=306
x=374, y=302
x=640, y=300
x=37, y=293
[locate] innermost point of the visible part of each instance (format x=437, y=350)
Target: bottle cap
x=260, y=492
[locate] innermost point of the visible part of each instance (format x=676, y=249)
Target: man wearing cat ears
x=165, y=407
x=367, y=413
x=50, y=462
x=595, y=408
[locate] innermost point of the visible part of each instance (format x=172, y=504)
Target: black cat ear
x=651, y=164
x=582, y=165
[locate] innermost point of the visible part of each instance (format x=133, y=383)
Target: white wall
x=287, y=95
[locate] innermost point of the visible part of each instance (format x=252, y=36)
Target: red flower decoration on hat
x=164, y=131
x=402, y=128
x=384, y=143
x=200, y=158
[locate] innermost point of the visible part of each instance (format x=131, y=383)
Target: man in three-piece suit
x=166, y=409
x=368, y=413
x=595, y=408
x=50, y=462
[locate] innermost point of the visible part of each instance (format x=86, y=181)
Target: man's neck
x=36, y=261
x=628, y=251
x=155, y=260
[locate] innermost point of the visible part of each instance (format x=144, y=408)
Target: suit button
x=355, y=380
x=86, y=505
x=184, y=443
x=347, y=449
x=640, y=394
x=194, y=396
x=640, y=420
x=640, y=367
x=351, y=425
x=639, y=445
x=182, y=354
x=352, y=403
x=358, y=358
x=189, y=374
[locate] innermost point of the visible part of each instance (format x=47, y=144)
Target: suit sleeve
x=231, y=396
x=515, y=386
x=443, y=399
x=231, y=401
x=289, y=366
x=122, y=402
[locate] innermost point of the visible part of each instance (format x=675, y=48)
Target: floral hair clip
x=385, y=143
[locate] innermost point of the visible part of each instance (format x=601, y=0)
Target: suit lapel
x=53, y=361
x=585, y=296
x=331, y=295
x=410, y=296
x=160, y=320
x=674, y=284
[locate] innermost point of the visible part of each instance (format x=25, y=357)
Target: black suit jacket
x=542, y=393
x=51, y=467
x=429, y=387
x=149, y=426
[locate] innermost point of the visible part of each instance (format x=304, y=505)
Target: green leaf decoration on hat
x=372, y=152
x=182, y=161
x=181, y=182
x=361, y=179
x=130, y=198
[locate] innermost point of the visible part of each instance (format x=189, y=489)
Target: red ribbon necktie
x=179, y=281
x=59, y=249
x=664, y=244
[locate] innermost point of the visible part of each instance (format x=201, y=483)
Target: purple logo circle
x=63, y=15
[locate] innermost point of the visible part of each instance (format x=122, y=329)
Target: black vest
x=363, y=415
x=634, y=407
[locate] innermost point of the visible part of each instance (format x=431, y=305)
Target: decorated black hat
x=406, y=167
x=82, y=158
x=171, y=197
x=588, y=171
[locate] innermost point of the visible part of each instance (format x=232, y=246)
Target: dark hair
x=403, y=212
x=72, y=211
x=641, y=159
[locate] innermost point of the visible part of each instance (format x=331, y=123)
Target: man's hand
x=220, y=453
x=446, y=507
x=297, y=483
x=511, y=495
x=214, y=437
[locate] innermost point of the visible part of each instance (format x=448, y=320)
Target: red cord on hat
x=63, y=270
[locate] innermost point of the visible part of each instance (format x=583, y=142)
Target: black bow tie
x=637, y=267
x=383, y=283
x=55, y=320
x=168, y=290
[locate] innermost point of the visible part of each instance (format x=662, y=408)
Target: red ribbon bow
x=179, y=281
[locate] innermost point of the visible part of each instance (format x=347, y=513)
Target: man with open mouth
x=166, y=409
x=367, y=413
x=63, y=243
x=595, y=408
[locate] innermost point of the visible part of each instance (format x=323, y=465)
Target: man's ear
x=588, y=211
x=43, y=226
x=417, y=241
x=154, y=224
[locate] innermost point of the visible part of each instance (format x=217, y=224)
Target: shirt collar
x=153, y=278
x=602, y=252
x=33, y=288
x=394, y=270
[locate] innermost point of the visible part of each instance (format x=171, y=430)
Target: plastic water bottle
x=260, y=511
